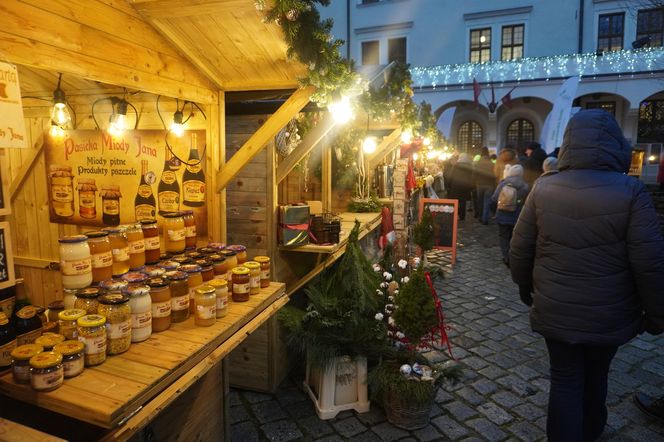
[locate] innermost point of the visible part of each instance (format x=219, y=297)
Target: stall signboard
x=12, y=125
x=5, y=199
x=6, y=258
x=445, y=214
x=98, y=179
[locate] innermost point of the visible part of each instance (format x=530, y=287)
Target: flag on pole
x=477, y=90
x=507, y=99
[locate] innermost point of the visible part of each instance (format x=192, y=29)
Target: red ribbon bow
x=442, y=327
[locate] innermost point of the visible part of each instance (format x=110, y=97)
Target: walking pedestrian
x=506, y=156
x=507, y=200
x=484, y=185
x=589, y=248
x=461, y=183
x=532, y=165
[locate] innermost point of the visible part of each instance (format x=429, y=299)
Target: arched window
x=520, y=132
x=470, y=136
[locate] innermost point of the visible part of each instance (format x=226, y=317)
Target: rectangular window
x=370, y=52
x=396, y=50
x=610, y=32
x=480, y=45
x=609, y=106
x=650, y=26
x=512, y=42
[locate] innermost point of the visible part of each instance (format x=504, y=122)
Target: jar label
x=75, y=267
x=144, y=191
x=5, y=353
x=29, y=337
x=73, y=367
x=222, y=301
x=241, y=289
x=152, y=243
x=140, y=320
x=206, y=311
x=111, y=206
x=190, y=231
x=86, y=199
x=102, y=260
x=254, y=281
x=193, y=191
x=118, y=330
x=144, y=211
x=180, y=302
x=176, y=235
x=93, y=345
x=22, y=373
x=168, y=176
x=120, y=255
x=161, y=309
x=169, y=201
x=62, y=193
x=47, y=381
x=7, y=306
x=136, y=247
x=265, y=274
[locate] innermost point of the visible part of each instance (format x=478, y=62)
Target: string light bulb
x=426, y=141
x=369, y=145
x=177, y=126
x=407, y=136
x=60, y=114
x=341, y=110
x=56, y=131
x=118, y=120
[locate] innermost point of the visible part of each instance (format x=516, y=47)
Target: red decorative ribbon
x=444, y=339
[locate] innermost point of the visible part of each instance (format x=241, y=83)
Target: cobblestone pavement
x=504, y=393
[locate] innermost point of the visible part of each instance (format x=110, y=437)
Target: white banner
x=444, y=123
x=12, y=126
x=556, y=121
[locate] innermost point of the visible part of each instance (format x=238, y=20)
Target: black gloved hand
x=524, y=293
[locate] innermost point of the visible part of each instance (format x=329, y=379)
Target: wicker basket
x=406, y=414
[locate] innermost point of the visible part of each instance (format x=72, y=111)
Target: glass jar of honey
x=119, y=249
x=102, y=257
x=241, y=252
x=219, y=266
x=179, y=289
x=86, y=299
x=174, y=233
x=136, y=245
x=264, y=261
x=75, y=262
x=206, y=306
x=195, y=278
x=160, y=295
x=207, y=270
x=231, y=263
x=254, y=277
x=189, y=229
x=240, y=284
x=152, y=242
x=221, y=293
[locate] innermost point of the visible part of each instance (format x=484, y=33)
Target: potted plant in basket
x=405, y=381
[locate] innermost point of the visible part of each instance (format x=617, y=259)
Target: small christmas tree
x=415, y=314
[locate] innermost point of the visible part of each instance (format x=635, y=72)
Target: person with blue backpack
x=507, y=201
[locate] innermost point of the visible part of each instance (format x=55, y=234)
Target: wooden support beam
x=263, y=135
x=326, y=166
x=190, y=8
x=386, y=146
x=308, y=143
x=26, y=167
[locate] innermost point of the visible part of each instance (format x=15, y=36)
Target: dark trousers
x=577, y=399
x=462, y=209
x=483, y=201
x=505, y=235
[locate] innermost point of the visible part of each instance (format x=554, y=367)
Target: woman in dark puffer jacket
x=589, y=248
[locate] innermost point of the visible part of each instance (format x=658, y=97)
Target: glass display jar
x=195, y=278
x=86, y=299
x=136, y=244
x=152, y=241
x=231, y=263
x=75, y=262
x=160, y=295
x=73, y=357
x=218, y=246
x=189, y=229
x=240, y=284
x=153, y=271
x=49, y=340
x=219, y=267
x=266, y=266
x=206, y=250
x=46, y=372
x=28, y=325
x=69, y=297
x=115, y=308
x=207, y=271
x=110, y=203
x=135, y=277
x=92, y=333
x=54, y=309
x=7, y=341
x=194, y=255
x=169, y=265
x=165, y=256
x=62, y=190
x=140, y=304
x=241, y=252
x=179, y=288
x=174, y=233
x=87, y=200
x=102, y=257
x=113, y=285
x=206, y=306
x=67, y=322
x=21, y=361
x=254, y=277
x=182, y=260
x=119, y=249
x=221, y=293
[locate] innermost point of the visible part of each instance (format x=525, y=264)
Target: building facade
x=519, y=52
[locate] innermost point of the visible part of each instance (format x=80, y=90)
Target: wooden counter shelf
x=128, y=390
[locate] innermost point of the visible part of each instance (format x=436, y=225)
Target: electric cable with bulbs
x=179, y=113
x=58, y=97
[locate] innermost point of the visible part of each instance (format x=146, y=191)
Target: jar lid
x=137, y=290
x=148, y=222
x=113, y=299
x=71, y=314
x=153, y=271
x=240, y=270
x=91, y=321
x=134, y=226
x=190, y=268
x=237, y=248
x=261, y=259
x=27, y=312
x=50, y=327
x=57, y=305
x=203, y=263
x=3, y=319
x=227, y=253
x=73, y=239
x=172, y=215
x=49, y=339
x=69, y=348
x=187, y=212
x=181, y=260
x=217, y=245
x=114, y=230
x=165, y=256
x=194, y=255
x=89, y=292
x=252, y=265
x=216, y=258
x=46, y=359
x=176, y=275
x=157, y=282
x=25, y=352
x=113, y=285
x=169, y=265
x=206, y=250
x=218, y=283
x=134, y=277
x=205, y=290
x=96, y=234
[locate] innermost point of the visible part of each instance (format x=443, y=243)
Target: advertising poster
x=12, y=125
x=97, y=179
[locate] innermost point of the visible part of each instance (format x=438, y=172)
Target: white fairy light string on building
x=627, y=62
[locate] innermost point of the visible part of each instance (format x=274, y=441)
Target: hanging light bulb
x=56, y=131
x=369, y=145
x=341, y=110
x=407, y=136
x=177, y=127
x=118, y=120
x=60, y=114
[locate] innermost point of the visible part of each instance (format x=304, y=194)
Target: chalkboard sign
x=6, y=261
x=445, y=215
x=5, y=203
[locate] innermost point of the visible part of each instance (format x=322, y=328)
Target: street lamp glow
x=652, y=158
x=369, y=145
x=406, y=137
x=341, y=110
x=426, y=141
x=432, y=154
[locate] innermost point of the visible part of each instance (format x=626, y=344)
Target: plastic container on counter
x=21, y=361
x=179, y=288
x=102, y=256
x=119, y=249
x=49, y=340
x=86, y=299
x=92, y=333
x=136, y=244
x=7, y=341
x=115, y=308
x=160, y=295
x=54, y=309
x=75, y=262
x=140, y=304
x=221, y=293
x=152, y=241
x=67, y=326
x=189, y=229
x=28, y=325
x=73, y=357
x=254, y=277
x=206, y=306
x=266, y=270
x=46, y=372
x=240, y=284
x=174, y=233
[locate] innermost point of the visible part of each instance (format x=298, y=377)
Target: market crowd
x=585, y=248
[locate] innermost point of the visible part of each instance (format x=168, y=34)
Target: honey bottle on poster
x=193, y=179
x=145, y=204
x=168, y=191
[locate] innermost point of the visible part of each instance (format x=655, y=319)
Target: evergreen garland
x=415, y=314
